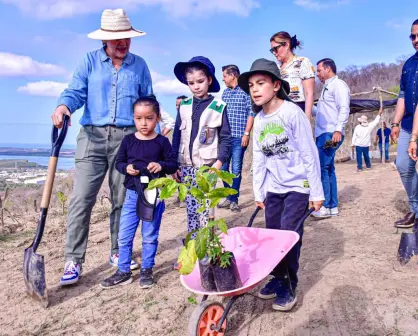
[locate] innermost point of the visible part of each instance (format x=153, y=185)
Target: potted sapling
x=218, y=267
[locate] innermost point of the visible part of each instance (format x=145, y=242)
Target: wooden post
x=381, y=127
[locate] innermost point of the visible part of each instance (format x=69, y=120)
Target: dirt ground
x=350, y=281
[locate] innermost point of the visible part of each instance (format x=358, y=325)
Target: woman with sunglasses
x=296, y=70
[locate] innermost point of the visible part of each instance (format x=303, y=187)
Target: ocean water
x=63, y=162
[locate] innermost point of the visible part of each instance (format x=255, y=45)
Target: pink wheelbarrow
x=257, y=252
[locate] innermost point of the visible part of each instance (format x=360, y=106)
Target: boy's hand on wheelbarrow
x=260, y=205
x=316, y=205
x=58, y=116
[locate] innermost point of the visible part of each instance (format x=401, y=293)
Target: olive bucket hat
x=263, y=65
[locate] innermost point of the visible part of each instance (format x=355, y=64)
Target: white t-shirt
x=361, y=135
x=285, y=157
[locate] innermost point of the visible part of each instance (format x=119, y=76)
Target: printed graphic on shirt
x=306, y=184
x=273, y=140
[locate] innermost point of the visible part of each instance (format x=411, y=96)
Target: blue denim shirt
x=409, y=91
x=108, y=95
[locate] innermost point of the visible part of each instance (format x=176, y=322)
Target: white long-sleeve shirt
x=362, y=133
x=333, y=107
x=167, y=121
x=285, y=157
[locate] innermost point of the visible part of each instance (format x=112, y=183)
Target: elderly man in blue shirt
x=107, y=82
x=402, y=129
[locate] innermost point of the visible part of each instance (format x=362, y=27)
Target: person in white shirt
x=286, y=170
x=167, y=123
x=362, y=140
x=331, y=117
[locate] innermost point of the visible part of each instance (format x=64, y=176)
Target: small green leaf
x=187, y=258
x=211, y=224
x=182, y=192
x=201, y=241
x=203, y=169
x=221, y=193
x=221, y=224
x=211, y=178
x=199, y=194
x=168, y=191
x=158, y=183
x=189, y=236
x=214, y=202
x=226, y=176
x=202, y=183
x=201, y=209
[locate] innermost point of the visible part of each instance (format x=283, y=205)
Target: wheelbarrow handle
x=302, y=220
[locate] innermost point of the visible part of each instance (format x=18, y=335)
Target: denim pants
x=386, y=150
x=237, y=158
x=407, y=171
x=97, y=148
x=328, y=177
x=129, y=222
x=284, y=212
x=363, y=151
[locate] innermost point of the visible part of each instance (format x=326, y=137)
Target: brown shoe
x=406, y=222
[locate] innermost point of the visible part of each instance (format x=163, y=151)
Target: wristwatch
x=247, y=133
x=395, y=125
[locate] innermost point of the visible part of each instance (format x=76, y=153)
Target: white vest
x=205, y=146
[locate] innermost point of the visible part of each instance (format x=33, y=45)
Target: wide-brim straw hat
x=115, y=25
x=362, y=119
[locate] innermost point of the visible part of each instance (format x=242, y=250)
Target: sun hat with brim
x=180, y=69
x=115, y=25
x=362, y=119
x=265, y=66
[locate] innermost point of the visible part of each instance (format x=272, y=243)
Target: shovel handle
x=57, y=139
x=253, y=216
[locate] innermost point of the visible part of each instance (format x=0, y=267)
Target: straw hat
x=362, y=119
x=115, y=25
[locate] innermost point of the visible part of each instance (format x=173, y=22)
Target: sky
x=42, y=42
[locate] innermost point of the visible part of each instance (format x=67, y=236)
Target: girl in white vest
x=202, y=135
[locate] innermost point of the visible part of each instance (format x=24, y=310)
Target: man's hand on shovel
x=58, y=116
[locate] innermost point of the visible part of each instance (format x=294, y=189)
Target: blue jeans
x=363, y=151
x=328, y=177
x=406, y=169
x=237, y=156
x=386, y=150
x=129, y=222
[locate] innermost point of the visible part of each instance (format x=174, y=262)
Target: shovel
x=408, y=247
x=33, y=263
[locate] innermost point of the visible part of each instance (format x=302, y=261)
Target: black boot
x=406, y=222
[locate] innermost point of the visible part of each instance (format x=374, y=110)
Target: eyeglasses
x=277, y=47
x=413, y=37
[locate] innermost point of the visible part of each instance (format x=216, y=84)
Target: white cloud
x=43, y=88
x=54, y=9
x=18, y=65
x=161, y=84
x=317, y=5
x=399, y=23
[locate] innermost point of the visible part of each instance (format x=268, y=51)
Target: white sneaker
x=72, y=272
x=334, y=211
x=322, y=213
x=114, y=259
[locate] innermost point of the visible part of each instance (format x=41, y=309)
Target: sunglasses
x=330, y=144
x=413, y=37
x=277, y=47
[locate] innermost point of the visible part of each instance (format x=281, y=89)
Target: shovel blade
x=34, y=275
x=408, y=247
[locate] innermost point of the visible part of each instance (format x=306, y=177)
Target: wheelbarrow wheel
x=205, y=318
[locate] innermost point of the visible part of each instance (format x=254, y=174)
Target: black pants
x=284, y=212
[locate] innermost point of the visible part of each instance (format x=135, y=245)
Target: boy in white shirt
x=286, y=170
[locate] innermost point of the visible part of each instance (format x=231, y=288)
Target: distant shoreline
x=9, y=151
